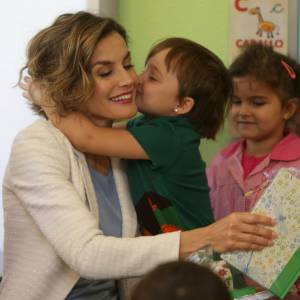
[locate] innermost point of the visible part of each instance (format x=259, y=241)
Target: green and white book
x=277, y=267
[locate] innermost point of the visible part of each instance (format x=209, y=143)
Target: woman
x=54, y=232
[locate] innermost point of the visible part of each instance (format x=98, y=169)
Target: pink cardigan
x=229, y=192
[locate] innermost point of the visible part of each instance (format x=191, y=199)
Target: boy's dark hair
x=181, y=281
x=202, y=76
x=266, y=65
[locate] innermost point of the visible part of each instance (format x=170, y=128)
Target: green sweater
x=170, y=190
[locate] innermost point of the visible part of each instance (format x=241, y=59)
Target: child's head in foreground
x=181, y=281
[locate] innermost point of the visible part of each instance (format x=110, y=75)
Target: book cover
x=277, y=267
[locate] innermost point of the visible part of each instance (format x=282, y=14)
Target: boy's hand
x=104, y=141
x=32, y=91
x=25, y=85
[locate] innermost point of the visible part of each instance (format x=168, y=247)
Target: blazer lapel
x=90, y=194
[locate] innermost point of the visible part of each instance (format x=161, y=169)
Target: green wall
x=205, y=21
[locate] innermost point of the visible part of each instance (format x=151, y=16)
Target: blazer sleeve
x=39, y=175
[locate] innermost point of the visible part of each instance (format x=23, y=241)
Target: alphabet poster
x=258, y=21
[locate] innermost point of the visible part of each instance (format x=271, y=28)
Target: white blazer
x=52, y=235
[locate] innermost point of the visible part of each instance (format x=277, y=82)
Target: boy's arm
x=83, y=134
x=87, y=137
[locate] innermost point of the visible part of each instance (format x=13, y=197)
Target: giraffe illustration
x=263, y=26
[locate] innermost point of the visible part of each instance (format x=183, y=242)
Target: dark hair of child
x=181, y=281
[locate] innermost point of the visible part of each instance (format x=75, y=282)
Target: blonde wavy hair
x=58, y=58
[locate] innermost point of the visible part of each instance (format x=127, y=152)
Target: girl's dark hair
x=202, y=76
x=181, y=281
x=266, y=65
x=280, y=72
x=58, y=57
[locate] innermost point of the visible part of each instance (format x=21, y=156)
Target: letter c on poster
x=239, y=7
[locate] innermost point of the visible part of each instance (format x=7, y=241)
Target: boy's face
x=158, y=89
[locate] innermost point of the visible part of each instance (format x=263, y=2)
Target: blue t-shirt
x=110, y=217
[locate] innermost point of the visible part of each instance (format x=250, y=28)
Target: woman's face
x=115, y=79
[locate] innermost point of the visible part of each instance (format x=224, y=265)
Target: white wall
x=19, y=21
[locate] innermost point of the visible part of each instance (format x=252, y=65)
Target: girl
x=262, y=111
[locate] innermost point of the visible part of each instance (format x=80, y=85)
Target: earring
x=176, y=109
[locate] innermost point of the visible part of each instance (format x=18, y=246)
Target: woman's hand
x=237, y=231
x=241, y=231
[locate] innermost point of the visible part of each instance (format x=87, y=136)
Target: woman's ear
x=290, y=108
x=185, y=106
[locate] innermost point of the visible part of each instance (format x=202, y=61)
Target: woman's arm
x=88, y=138
x=39, y=176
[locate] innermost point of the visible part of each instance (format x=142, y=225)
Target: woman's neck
x=100, y=122
x=100, y=163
